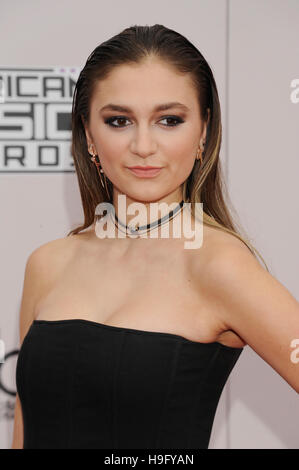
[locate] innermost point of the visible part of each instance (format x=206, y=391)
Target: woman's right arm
x=43, y=266
x=31, y=289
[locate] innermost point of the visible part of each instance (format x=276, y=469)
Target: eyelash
x=113, y=118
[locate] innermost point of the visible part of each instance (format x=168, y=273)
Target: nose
x=143, y=143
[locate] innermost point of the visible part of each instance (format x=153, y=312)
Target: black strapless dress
x=86, y=385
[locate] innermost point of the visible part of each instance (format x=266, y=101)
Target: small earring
x=98, y=166
x=199, y=152
x=100, y=170
x=93, y=159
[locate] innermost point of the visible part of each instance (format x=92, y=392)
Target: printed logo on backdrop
x=294, y=96
x=35, y=119
x=8, y=385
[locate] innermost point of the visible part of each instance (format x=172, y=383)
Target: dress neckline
x=133, y=330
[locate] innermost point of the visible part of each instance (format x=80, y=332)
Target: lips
x=145, y=172
x=144, y=167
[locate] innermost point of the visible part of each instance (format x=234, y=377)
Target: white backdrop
x=251, y=46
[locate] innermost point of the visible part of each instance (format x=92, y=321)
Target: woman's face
x=141, y=135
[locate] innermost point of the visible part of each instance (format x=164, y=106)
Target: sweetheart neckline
x=134, y=330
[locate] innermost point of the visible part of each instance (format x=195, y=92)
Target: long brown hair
x=205, y=183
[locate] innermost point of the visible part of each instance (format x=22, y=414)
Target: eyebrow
x=159, y=107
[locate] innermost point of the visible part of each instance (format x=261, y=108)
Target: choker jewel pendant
x=134, y=229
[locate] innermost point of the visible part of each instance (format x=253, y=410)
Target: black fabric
x=86, y=385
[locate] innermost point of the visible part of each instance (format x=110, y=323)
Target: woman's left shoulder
x=225, y=260
x=221, y=249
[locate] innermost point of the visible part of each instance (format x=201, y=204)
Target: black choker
x=137, y=229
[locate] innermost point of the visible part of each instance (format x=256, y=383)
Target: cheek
x=181, y=155
x=182, y=144
x=110, y=149
x=108, y=143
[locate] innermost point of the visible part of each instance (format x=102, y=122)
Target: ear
x=87, y=133
x=206, y=123
x=209, y=115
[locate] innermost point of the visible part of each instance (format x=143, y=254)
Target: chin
x=147, y=199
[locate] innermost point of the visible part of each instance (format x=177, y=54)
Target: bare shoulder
x=55, y=254
x=43, y=267
x=255, y=305
x=217, y=266
x=51, y=255
x=224, y=250
x=225, y=256
x=229, y=274
x=46, y=262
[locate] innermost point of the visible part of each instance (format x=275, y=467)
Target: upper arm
x=42, y=268
x=257, y=307
x=26, y=317
x=31, y=288
x=39, y=272
x=31, y=285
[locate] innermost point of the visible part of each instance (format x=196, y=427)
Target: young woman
x=128, y=341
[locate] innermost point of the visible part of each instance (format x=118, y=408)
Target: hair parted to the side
x=205, y=183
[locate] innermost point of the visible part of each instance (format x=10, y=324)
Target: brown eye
x=170, y=119
x=110, y=120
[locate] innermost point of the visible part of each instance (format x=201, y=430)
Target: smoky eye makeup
x=171, y=121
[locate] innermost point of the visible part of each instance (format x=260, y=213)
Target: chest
x=154, y=289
